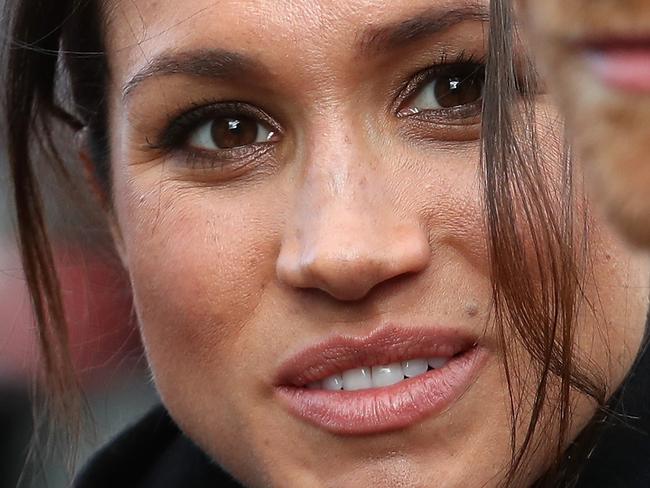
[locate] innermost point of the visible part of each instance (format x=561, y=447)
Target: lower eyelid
x=225, y=157
x=206, y=169
x=445, y=116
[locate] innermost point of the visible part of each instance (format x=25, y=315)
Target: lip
x=620, y=63
x=379, y=410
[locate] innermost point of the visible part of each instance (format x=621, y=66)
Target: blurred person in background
x=596, y=60
x=358, y=254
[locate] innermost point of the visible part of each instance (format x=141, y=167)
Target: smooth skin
x=343, y=209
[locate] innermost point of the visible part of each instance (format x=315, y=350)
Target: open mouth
x=620, y=63
x=386, y=381
x=379, y=376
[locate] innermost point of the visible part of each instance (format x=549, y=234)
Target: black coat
x=613, y=452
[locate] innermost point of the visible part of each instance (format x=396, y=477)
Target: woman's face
x=596, y=56
x=298, y=202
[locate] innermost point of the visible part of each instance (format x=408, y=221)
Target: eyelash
x=176, y=134
x=472, y=64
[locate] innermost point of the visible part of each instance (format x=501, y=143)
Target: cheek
x=618, y=290
x=198, y=267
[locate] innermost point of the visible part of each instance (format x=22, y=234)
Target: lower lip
x=381, y=410
x=626, y=69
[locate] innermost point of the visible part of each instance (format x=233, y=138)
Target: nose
x=346, y=237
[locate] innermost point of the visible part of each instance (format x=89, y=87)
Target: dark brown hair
x=56, y=59
x=539, y=303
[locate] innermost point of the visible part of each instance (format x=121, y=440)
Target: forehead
x=140, y=30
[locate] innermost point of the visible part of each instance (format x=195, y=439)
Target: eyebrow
x=212, y=63
x=220, y=63
x=433, y=20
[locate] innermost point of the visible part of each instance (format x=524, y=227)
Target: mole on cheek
x=471, y=309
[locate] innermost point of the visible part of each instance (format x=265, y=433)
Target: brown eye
x=455, y=92
x=230, y=133
x=450, y=90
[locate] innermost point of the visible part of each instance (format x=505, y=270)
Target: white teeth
x=378, y=376
x=334, y=382
x=387, y=375
x=437, y=363
x=414, y=367
x=357, y=379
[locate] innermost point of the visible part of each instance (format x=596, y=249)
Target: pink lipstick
x=354, y=385
x=622, y=65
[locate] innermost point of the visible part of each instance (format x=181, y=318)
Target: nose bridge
x=344, y=178
x=345, y=195
x=347, y=235
x=341, y=185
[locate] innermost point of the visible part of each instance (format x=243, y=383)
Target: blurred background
x=104, y=338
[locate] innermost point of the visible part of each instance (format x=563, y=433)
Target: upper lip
x=385, y=345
